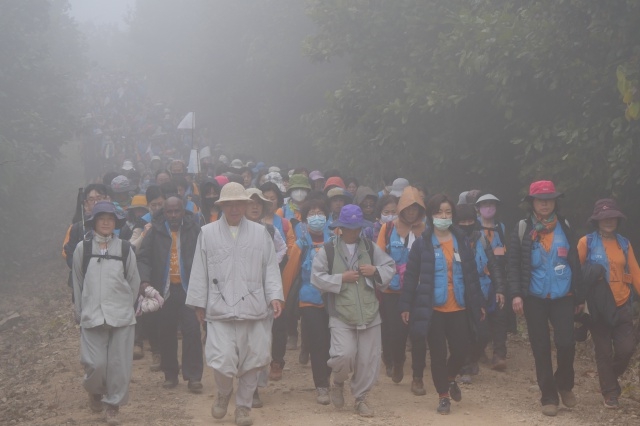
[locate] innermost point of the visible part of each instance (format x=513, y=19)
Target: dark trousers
x=315, y=325
x=614, y=347
x=492, y=329
x=394, y=331
x=279, y=339
x=173, y=312
x=452, y=329
x=418, y=356
x=147, y=328
x=559, y=312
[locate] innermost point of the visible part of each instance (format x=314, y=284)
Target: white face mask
x=298, y=195
x=386, y=218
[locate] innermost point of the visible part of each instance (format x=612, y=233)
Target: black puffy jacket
x=519, y=262
x=419, y=283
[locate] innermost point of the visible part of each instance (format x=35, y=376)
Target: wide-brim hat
x=101, y=207
x=542, y=190
x=232, y=191
x=255, y=191
x=298, y=182
x=338, y=192
x=127, y=165
x=487, y=197
x=606, y=208
x=351, y=217
x=334, y=181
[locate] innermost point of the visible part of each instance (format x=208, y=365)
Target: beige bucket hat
x=255, y=191
x=232, y=192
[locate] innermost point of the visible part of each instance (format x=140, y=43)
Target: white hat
x=233, y=191
x=274, y=169
x=255, y=191
x=127, y=165
x=237, y=164
x=398, y=186
x=487, y=197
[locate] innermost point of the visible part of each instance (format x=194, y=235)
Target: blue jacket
x=597, y=255
x=308, y=292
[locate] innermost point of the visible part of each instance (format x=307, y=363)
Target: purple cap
x=106, y=207
x=315, y=175
x=351, y=218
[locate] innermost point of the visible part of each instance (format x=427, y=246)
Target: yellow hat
x=139, y=201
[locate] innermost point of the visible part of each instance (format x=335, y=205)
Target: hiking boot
x=111, y=415
x=444, y=406
x=550, y=410
x=138, y=352
x=219, y=407
x=292, y=343
x=611, y=402
x=389, y=370
x=155, y=364
x=303, y=358
x=195, y=386
x=362, y=408
x=417, y=387
x=95, y=402
x=454, y=391
x=275, y=372
x=242, y=416
x=170, y=383
x=498, y=363
x=397, y=373
x=323, y=396
x=337, y=395
x=568, y=398
x=256, y=402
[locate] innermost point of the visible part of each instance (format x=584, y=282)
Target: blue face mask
x=442, y=224
x=316, y=222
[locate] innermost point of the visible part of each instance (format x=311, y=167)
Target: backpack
x=87, y=254
x=330, y=251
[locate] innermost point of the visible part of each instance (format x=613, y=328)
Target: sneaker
x=275, y=371
x=155, y=364
x=455, y=392
x=170, y=383
x=337, y=395
x=417, y=386
x=219, y=407
x=568, y=398
x=550, y=410
x=195, y=386
x=256, y=402
x=292, y=343
x=397, y=373
x=242, y=416
x=111, y=415
x=138, y=352
x=362, y=408
x=389, y=370
x=444, y=406
x=323, y=396
x=611, y=402
x=498, y=363
x=303, y=358
x=95, y=402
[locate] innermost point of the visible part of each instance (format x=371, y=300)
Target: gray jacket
x=104, y=295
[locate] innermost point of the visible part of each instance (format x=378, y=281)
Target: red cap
x=222, y=180
x=544, y=190
x=334, y=181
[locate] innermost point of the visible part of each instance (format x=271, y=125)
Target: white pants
x=107, y=355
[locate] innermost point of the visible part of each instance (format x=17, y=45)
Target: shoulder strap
x=522, y=226
x=125, y=249
x=387, y=235
x=370, y=248
x=87, y=249
x=271, y=229
x=500, y=231
x=329, y=249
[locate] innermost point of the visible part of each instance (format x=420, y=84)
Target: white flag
x=188, y=122
x=194, y=163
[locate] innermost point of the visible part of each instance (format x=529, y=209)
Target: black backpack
x=87, y=254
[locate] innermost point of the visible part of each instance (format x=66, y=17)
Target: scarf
x=102, y=240
x=542, y=226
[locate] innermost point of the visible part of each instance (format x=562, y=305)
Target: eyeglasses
x=92, y=200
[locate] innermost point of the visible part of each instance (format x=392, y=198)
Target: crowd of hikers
x=247, y=261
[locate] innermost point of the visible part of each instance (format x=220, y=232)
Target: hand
x=350, y=277
x=200, y=313
x=578, y=309
x=500, y=300
x=148, y=226
x=143, y=287
x=367, y=270
x=483, y=314
x=516, y=304
x=277, y=308
x=405, y=317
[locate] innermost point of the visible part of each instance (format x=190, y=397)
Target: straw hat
x=255, y=191
x=233, y=191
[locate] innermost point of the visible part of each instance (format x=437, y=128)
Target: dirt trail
x=40, y=373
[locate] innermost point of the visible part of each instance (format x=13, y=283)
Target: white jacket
x=234, y=278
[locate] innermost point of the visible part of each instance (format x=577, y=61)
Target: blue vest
x=550, y=273
x=309, y=293
x=597, y=255
x=441, y=281
x=400, y=255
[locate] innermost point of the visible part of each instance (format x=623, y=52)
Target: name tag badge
x=562, y=252
x=456, y=256
x=498, y=251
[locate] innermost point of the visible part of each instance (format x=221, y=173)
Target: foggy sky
x=100, y=12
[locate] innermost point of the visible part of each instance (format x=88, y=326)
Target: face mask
x=468, y=229
x=487, y=212
x=316, y=222
x=386, y=218
x=442, y=224
x=298, y=195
